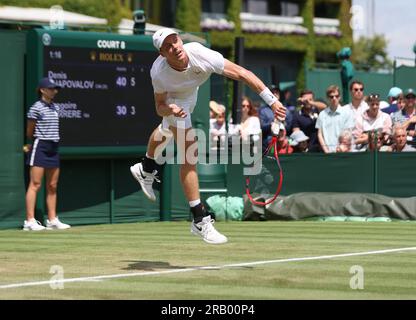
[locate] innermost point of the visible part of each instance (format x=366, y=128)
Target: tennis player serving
x=176, y=76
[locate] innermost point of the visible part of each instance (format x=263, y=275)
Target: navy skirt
x=44, y=154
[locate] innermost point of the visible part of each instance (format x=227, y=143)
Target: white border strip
x=32, y=157
x=234, y=265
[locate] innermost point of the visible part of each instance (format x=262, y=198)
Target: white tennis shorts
x=188, y=104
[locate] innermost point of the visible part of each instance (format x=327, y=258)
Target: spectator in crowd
x=283, y=145
x=287, y=98
x=371, y=119
x=305, y=119
x=250, y=123
x=332, y=121
x=407, y=116
x=395, y=94
x=345, y=141
x=267, y=116
x=401, y=103
x=399, y=141
x=299, y=141
x=218, y=131
x=357, y=104
x=377, y=140
x=215, y=109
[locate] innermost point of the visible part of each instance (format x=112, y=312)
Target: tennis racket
x=266, y=181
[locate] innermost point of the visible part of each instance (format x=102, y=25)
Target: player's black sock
x=199, y=212
x=148, y=164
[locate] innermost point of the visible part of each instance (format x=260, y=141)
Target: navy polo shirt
x=47, y=120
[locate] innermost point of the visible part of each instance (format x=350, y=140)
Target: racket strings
x=266, y=155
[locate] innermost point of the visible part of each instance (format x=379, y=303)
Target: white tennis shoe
x=145, y=179
x=207, y=232
x=56, y=224
x=32, y=225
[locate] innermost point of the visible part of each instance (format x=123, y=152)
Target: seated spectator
x=299, y=141
x=217, y=132
x=332, y=121
x=399, y=141
x=401, y=103
x=358, y=104
x=406, y=117
x=393, y=97
x=377, y=139
x=305, y=119
x=371, y=119
x=345, y=141
x=215, y=109
x=250, y=123
x=283, y=145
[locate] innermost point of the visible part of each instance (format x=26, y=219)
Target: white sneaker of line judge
x=56, y=224
x=32, y=225
x=145, y=179
x=207, y=232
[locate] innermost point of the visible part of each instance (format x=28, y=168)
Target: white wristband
x=268, y=96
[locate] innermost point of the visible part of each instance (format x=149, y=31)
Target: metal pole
x=237, y=86
x=165, y=194
x=112, y=197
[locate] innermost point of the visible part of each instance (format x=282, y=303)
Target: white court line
x=233, y=265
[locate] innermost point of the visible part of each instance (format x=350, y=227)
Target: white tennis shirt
x=182, y=86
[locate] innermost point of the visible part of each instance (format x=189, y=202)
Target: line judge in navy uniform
x=42, y=155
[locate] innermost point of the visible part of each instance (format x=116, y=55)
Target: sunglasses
x=333, y=97
x=245, y=105
x=373, y=96
x=358, y=89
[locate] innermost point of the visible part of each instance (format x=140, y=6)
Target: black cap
x=274, y=88
x=48, y=83
x=410, y=93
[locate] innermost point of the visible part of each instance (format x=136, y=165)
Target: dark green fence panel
x=179, y=204
x=12, y=106
x=405, y=77
x=84, y=191
x=397, y=174
x=130, y=203
x=343, y=172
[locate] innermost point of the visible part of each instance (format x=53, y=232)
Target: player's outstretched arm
x=236, y=72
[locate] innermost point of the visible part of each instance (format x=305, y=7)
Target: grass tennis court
x=172, y=253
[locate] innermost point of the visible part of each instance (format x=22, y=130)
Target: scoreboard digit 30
x=106, y=104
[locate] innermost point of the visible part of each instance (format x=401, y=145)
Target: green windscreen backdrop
x=12, y=84
x=318, y=80
x=390, y=174
x=405, y=77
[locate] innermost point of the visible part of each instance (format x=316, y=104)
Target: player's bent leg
x=145, y=172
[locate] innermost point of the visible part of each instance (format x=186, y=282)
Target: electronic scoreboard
x=106, y=99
